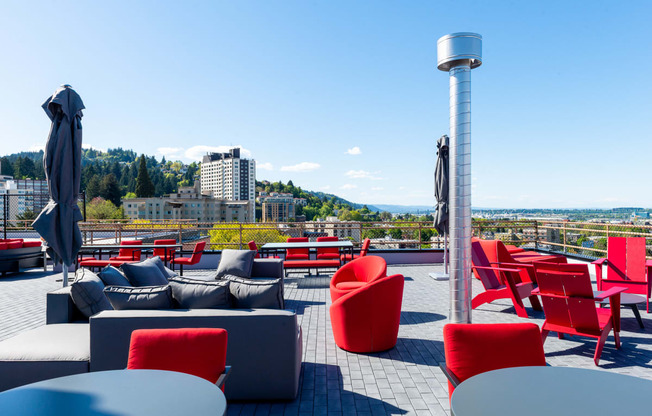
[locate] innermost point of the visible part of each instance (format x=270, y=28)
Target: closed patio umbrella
x=441, y=195
x=57, y=222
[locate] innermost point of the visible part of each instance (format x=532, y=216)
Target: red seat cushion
x=297, y=257
x=15, y=244
x=31, y=244
x=4, y=246
x=306, y=264
x=197, y=351
x=350, y=285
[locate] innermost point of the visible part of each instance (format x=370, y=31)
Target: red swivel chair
x=367, y=319
x=472, y=349
x=165, y=255
x=200, y=352
x=193, y=259
x=570, y=304
x=626, y=267
x=297, y=253
x=328, y=253
x=356, y=274
x=128, y=254
x=509, y=282
x=363, y=252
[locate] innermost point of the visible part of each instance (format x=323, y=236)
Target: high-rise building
x=229, y=177
x=279, y=207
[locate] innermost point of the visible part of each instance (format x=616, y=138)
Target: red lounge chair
x=193, y=259
x=472, y=349
x=128, y=254
x=367, y=319
x=512, y=282
x=569, y=304
x=626, y=267
x=199, y=352
x=297, y=253
x=355, y=274
x=161, y=252
x=253, y=247
x=328, y=253
x=363, y=252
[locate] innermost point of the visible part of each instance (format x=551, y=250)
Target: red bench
x=311, y=264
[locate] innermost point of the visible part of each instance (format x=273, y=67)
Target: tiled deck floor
x=404, y=380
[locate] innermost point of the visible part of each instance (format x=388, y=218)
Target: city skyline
x=346, y=98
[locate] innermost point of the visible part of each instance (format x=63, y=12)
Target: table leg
x=637, y=314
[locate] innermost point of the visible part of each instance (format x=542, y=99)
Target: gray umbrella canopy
x=57, y=223
x=441, y=185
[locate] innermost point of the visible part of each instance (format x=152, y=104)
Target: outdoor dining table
x=112, y=248
x=557, y=391
x=117, y=392
x=272, y=248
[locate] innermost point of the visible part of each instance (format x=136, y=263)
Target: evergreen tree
x=144, y=185
x=110, y=190
x=7, y=168
x=93, y=187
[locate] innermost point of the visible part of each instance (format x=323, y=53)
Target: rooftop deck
x=404, y=380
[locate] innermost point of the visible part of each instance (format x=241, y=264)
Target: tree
x=110, y=190
x=6, y=167
x=27, y=215
x=101, y=209
x=93, y=187
x=144, y=185
x=385, y=216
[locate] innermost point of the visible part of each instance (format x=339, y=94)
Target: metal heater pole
x=457, y=54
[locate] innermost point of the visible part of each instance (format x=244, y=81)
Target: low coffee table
x=631, y=301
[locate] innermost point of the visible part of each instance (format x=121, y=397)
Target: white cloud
x=348, y=186
x=170, y=152
x=355, y=150
x=197, y=152
x=301, y=167
x=37, y=147
x=363, y=174
x=325, y=188
x=264, y=166
x=377, y=188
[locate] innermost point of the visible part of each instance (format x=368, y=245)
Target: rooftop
x=404, y=380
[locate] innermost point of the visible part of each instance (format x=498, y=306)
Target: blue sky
x=345, y=97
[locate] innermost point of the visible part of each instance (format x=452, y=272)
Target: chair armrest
x=500, y=269
x=222, y=378
x=452, y=378
x=599, y=262
x=522, y=265
x=609, y=293
x=536, y=291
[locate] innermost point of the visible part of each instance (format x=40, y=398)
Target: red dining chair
x=570, y=304
x=328, y=253
x=199, y=352
x=165, y=255
x=472, y=349
x=254, y=247
x=193, y=259
x=128, y=254
x=297, y=253
x=626, y=267
x=364, y=249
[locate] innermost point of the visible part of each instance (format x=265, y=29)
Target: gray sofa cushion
x=146, y=297
x=236, y=263
x=200, y=294
x=113, y=277
x=45, y=352
x=145, y=273
x=255, y=293
x=87, y=293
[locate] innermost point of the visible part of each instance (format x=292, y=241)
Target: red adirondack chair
x=570, y=305
x=297, y=253
x=510, y=282
x=626, y=267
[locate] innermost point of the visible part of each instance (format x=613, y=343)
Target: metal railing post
x=240, y=230
x=564, y=239
x=536, y=234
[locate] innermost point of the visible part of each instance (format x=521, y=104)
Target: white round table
x=119, y=392
x=551, y=391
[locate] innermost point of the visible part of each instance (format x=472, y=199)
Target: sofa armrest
x=60, y=308
x=272, y=268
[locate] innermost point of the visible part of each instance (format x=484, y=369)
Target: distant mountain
x=341, y=200
x=405, y=209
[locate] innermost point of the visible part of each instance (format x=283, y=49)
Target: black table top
x=551, y=391
x=119, y=392
x=321, y=244
x=128, y=247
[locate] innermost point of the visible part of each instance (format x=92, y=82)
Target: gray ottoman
x=42, y=353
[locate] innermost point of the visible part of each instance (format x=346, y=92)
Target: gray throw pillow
x=145, y=273
x=255, y=293
x=159, y=263
x=147, y=297
x=87, y=293
x=236, y=263
x=200, y=294
x=113, y=277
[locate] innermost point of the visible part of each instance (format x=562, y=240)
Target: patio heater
x=459, y=53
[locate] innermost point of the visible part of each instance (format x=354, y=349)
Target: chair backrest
x=567, y=295
x=365, y=247
x=362, y=269
x=335, y=251
x=477, y=348
x=253, y=247
x=197, y=351
x=479, y=258
x=292, y=251
x=197, y=252
x=161, y=251
x=129, y=252
x=626, y=258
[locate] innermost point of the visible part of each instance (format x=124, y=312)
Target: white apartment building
x=19, y=200
x=229, y=177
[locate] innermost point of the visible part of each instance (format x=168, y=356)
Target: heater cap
x=456, y=49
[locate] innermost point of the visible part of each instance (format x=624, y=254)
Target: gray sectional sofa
x=264, y=346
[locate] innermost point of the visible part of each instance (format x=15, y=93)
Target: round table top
x=551, y=391
x=118, y=392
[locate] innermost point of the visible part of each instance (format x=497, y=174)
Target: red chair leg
x=534, y=301
x=600, y=345
x=544, y=335
x=617, y=339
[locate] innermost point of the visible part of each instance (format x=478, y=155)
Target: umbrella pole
x=445, y=252
x=65, y=275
